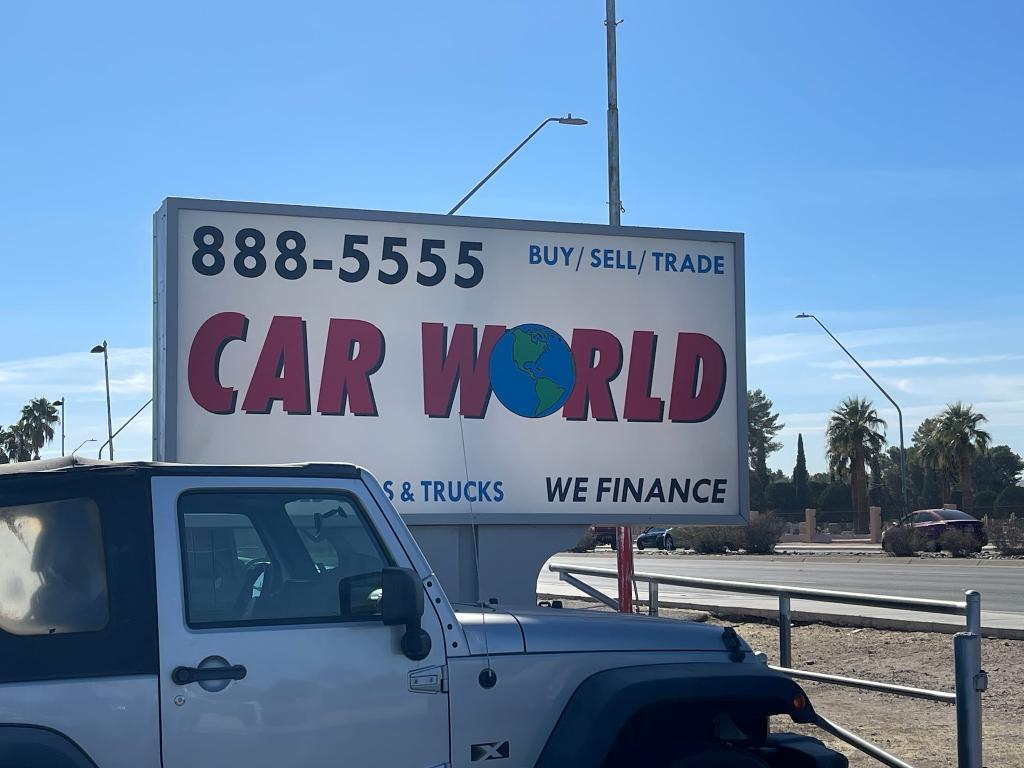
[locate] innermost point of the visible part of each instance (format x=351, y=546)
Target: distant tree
x=995, y=469
x=1010, y=502
x=820, y=477
x=814, y=490
x=960, y=429
x=782, y=496
x=835, y=498
x=938, y=457
x=762, y=427
x=16, y=444
x=855, y=435
x=891, y=486
x=984, y=503
x=800, y=477
x=37, y=420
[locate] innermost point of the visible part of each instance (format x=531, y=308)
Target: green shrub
x=762, y=534
x=902, y=541
x=586, y=544
x=1007, y=536
x=709, y=539
x=682, y=535
x=958, y=543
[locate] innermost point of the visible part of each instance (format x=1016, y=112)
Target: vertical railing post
x=652, y=598
x=785, y=633
x=971, y=681
x=973, y=611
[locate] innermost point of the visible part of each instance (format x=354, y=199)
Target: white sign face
x=504, y=371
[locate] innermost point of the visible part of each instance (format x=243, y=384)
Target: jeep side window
x=278, y=557
x=53, y=577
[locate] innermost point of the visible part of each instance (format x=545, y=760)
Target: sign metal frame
x=165, y=324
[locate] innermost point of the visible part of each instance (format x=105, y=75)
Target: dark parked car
x=657, y=538
x=932, y=523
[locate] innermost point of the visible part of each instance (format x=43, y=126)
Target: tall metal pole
x=623, y=536
x=100, y=454
x=61, y=404
x=899, y=412
x=614, y=199
x=110, y=421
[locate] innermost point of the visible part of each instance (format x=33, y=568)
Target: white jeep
x=283, y=617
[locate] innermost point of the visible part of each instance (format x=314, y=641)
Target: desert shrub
x=586, y=544
x=958, y=543
x=902, y=541
x=762, y=534
x=707, y=539
x=1007, y=535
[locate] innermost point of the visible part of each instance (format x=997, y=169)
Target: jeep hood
x=553, y=630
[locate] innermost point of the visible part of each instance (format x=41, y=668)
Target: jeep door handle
x=186, y=675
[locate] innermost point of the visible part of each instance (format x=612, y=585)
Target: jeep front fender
x=606, y=701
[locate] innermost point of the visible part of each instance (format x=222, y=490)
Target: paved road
x=1001, y=585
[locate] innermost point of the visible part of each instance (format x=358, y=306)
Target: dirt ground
x=922, y=733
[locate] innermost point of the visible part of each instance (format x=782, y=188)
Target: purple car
x=932, y=523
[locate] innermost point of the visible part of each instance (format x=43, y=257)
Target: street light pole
x=623, y=536
x=100, y=454
x=106, y=375
x=90, y=440
x=899, y=412
x=567, y=120
x=61, y=404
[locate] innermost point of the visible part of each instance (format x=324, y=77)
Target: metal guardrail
x=971, y=679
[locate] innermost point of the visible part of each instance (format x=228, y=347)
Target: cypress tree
x=800, y=476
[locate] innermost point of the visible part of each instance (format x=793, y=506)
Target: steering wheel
x=254, y=569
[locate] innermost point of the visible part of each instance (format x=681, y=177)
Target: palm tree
x=855, y=435
x=37, y=419
x=936, y=455
x=14, y=443
x=959, y=430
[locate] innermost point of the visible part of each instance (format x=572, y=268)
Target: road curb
x=817, y=617
x=841, y=558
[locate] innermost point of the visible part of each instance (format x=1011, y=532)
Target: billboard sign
x=511, y=370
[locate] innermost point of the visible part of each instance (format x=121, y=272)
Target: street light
x=567, y=120
x=899, y=412
x=100, y=455
x=106, y=375
x=90, y=440
x=61, y=404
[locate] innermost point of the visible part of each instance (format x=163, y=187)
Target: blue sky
x=870, y=151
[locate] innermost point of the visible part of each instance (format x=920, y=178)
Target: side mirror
x=402, y=603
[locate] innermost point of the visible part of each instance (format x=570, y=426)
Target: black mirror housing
x=402, y=603
x=402, y=596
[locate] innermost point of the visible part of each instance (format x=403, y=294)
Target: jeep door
x=272, y=647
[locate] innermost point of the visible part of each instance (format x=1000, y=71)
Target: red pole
x=624, y=542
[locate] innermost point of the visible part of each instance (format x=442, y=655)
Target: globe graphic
x=532, y=370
